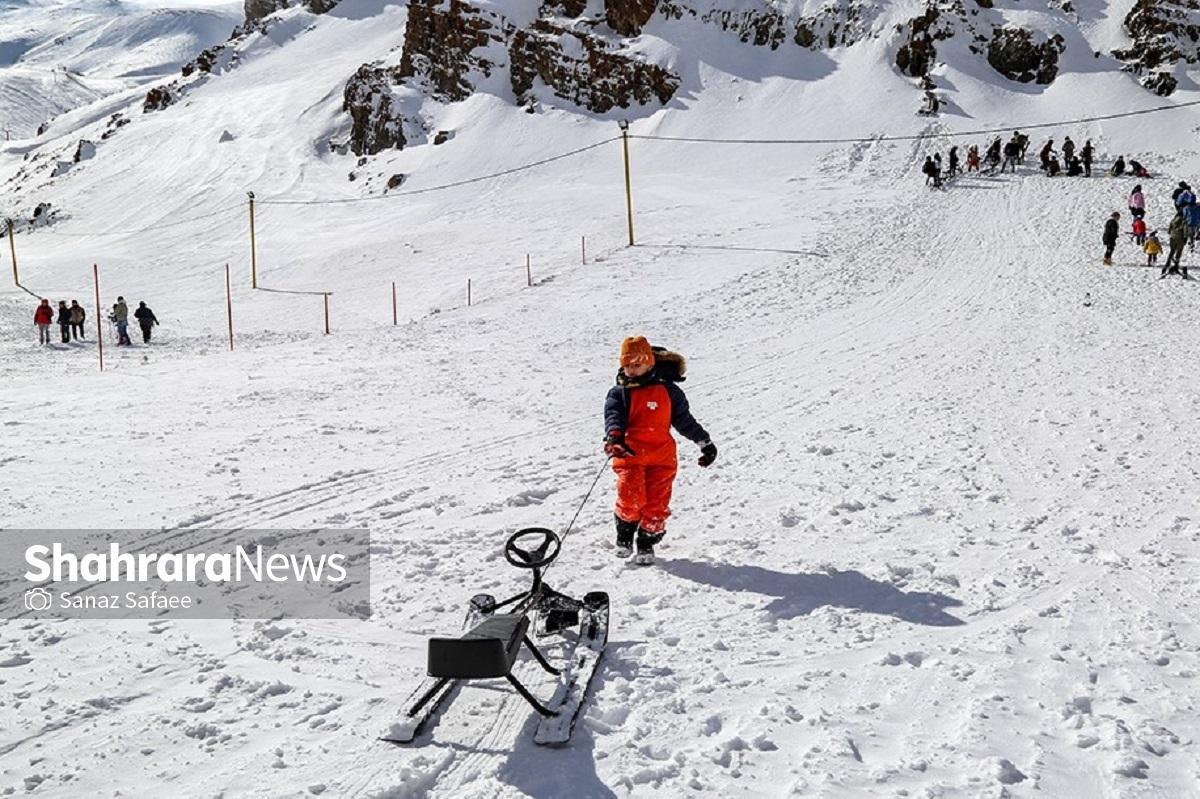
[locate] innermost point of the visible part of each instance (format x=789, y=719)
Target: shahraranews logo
x=52, y=563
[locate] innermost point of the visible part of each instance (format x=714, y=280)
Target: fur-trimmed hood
x=669, y=367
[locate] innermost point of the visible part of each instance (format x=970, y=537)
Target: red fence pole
x=229, y=306
x=395, y=318
x=99, y=330
x=326, y=296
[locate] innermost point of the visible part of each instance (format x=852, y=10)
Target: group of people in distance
x=70, y=320
x=1001, y=156
x=1181, y=231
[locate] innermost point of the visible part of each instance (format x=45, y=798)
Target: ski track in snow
x=948, y=548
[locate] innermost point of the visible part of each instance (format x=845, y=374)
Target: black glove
x=708, y=453
x=614, y=445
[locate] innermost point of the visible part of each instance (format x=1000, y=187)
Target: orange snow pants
x=644, y=493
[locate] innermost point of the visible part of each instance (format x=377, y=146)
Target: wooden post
x=628, y=182
x=528, y=272
x=583, y=250
x=229, y=305
x=99, y=329
x=253, y=249
x=12, y=246
x=468, y=292
x=395, y=317
x=326, y=296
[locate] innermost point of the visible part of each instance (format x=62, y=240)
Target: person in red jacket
x=639, y=412
x=42, y=317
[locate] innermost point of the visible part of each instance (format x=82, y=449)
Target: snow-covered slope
x=948, y=546
x=57, y=55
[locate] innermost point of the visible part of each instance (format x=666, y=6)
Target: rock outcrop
x=1017, y=55
x=1165, y=33
x=375, y=124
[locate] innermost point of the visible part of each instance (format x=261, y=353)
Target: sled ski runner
x=492, y=642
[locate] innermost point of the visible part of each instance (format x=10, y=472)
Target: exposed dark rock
x=157, y=99
x=1016, y=55
x=375, y=124
x=1164, y=33
x=396, y=181
x=443, y=136
x=1161, y=83
x=84, y=151
x=439, y=44
x=627, y=17
x=321, y=6
x=600, y=79
x=257, y=9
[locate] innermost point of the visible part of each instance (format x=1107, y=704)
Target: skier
x=1086, y=155
x=973, y=158
x=120, y=316
x=42, y=317
x=1137, y=170
x=953, y=167
x=146, y=319
x=1068, y=149
x=1074, y=167
x=1118, y=167
x=64, y=321
x=937, y=167
x=77, y=317
x=638, y=414
x=1177, y=237
x=1152, y=248
x=1139, y=231
x=1111, y=230
x=1053, y=168
x=1137, y=202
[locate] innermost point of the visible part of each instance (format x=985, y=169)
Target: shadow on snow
x=800, y=594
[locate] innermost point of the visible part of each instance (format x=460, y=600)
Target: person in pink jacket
x=1137, y=202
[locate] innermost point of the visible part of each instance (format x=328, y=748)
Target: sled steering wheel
x=546, y=550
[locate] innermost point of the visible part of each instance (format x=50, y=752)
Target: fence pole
x=326, y=296
x=468, y=292
x=583, y=250
x=12, y=245
x=99, y=330
x=395, y=317
x=628, y=181
x=528, y=273
x=229, y=305
x=253, y=249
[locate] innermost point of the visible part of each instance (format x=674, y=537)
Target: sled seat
x=488, y=650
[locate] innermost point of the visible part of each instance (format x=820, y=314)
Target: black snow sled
x=492, y=642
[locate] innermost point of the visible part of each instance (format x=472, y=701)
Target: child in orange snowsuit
x=639, y=412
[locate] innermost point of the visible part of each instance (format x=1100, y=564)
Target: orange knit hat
x=635, y=351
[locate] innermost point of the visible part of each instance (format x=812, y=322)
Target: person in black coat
x=1086, y=155
x=146, y=319
x=1112, y=229
x=64, y=321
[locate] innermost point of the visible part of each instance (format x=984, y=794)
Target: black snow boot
x=625, y=531
x=645, y=547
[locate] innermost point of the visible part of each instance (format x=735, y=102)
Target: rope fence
x=588, y=250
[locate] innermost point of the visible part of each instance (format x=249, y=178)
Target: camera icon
x=37, y=599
